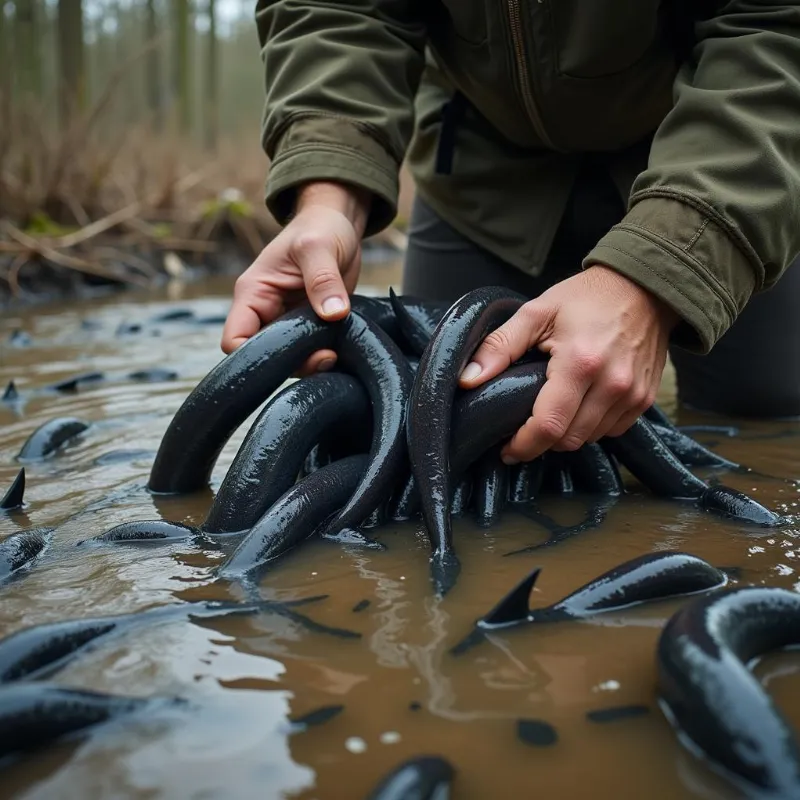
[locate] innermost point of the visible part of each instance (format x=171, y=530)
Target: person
x=633, y=167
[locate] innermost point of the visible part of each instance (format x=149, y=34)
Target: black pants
x=754, y=369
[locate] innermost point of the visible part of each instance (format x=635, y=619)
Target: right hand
x=317, y=255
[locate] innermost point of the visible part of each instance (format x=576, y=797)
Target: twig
x=98, y=226
x=13, y=273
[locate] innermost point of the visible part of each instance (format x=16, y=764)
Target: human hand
x=607, y=339
x=316, y=256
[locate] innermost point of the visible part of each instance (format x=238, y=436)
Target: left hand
x=607, y=338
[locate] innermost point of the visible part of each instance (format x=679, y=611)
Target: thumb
x=503, y=346
x=322, y=277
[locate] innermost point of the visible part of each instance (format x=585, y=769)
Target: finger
x=253, y=305
x=555, y=408
x=503, y=346
x=642, y=401
x=321, y=361
x=322, y=277
x=613, y=388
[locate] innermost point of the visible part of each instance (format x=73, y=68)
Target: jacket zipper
x=524, y=75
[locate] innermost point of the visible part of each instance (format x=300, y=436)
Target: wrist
x=351, y=201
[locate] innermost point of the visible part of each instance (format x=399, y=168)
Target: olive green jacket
x=698, y=117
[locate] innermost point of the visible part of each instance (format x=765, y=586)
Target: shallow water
x=403, y=693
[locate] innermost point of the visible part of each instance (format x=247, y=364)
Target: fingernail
x=332, y=305
x=471, y=371
x=509, y=461
x=325, y=364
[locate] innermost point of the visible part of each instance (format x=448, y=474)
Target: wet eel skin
x=49, y=437
x=145, y=530
x=302, y=510
x=36, y=714
x=709, y=695
x=242, y=380
x=652, y=577
x=417, y=319
x=420, y=778
x=276, y=446
x=457, y=336
x=20, y=549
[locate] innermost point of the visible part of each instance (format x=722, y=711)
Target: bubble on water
x=355, y=745
x=390, y=737
x=606, y=686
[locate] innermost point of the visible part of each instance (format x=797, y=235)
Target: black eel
x=36, y=714
x=593, y=471
x=19, y=549
x=417, y=319
x=41, y=650
x=491, y=487
x=13, y=498
x=235, y=387
x=298, y=514
x=654, y=576
x=692, y=453
x=457, y=336
x=145, y=530
x=50, y=437
x=275, y=447
x=709, y=695
x=420, y=778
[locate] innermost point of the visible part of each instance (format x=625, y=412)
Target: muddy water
x=403, y=693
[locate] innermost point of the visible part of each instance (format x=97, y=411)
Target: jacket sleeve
x=340, y=82
x=715, y=216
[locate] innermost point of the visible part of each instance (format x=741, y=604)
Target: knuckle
x=587, y=362
x=619, y=383
x=322, y=280
x=551, y=428
x=308, y=241
x=572, y=442
x=639, y=398
x=497, y=342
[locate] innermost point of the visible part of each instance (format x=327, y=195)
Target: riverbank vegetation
x=129, y=144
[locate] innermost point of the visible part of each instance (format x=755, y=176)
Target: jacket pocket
x=600, y=38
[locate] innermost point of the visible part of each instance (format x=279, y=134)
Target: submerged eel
x=457, y=336
x=655, y=576
x=36, y=714
x=238, y=384
x=20, y=549
x=712, y=699
x=276, y=446
x=50, y=437
x=420, y=778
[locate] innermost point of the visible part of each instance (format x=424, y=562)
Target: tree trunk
x=212, y=80
x=72, y=72
x=26, y=49
x=182, y=91
x=6, y=73
x=153, y=68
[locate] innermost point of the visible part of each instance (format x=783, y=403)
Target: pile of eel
x=389, y=436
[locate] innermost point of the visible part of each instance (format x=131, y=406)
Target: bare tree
x=182, y=90
x=212, y=81
x=71, y=61
x=26, y=49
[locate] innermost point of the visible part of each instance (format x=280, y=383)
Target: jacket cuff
x=323, y=148
x=676, y=249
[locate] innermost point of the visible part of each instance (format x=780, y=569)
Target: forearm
x=340, y=82
x=714, y=217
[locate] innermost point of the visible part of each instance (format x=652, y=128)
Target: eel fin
x=10, y=393
x=515, y=606
x=13, y=497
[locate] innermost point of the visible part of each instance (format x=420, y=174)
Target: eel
x=50, y=437
x=379, y=310
x=457, y=336
x=19, y=549
x=36, y=714
x=172, y=315
x=594, y=472
x=229, y=393
x=417, y=319
x=491, y=488
x=462, y=496
x=297, y=514
x=275, y=447
x=146, y=530
x=72, y=384
x=658, y=416
x=10, y=393
x=13, y=498
x=235, y=387
x=42, y=650
x=526, y=480
x=420, y=778
x=647, y=578
x=153, y=375
x=730, y=503
x=692, y=453
x=557, y=474
x=711, y=698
